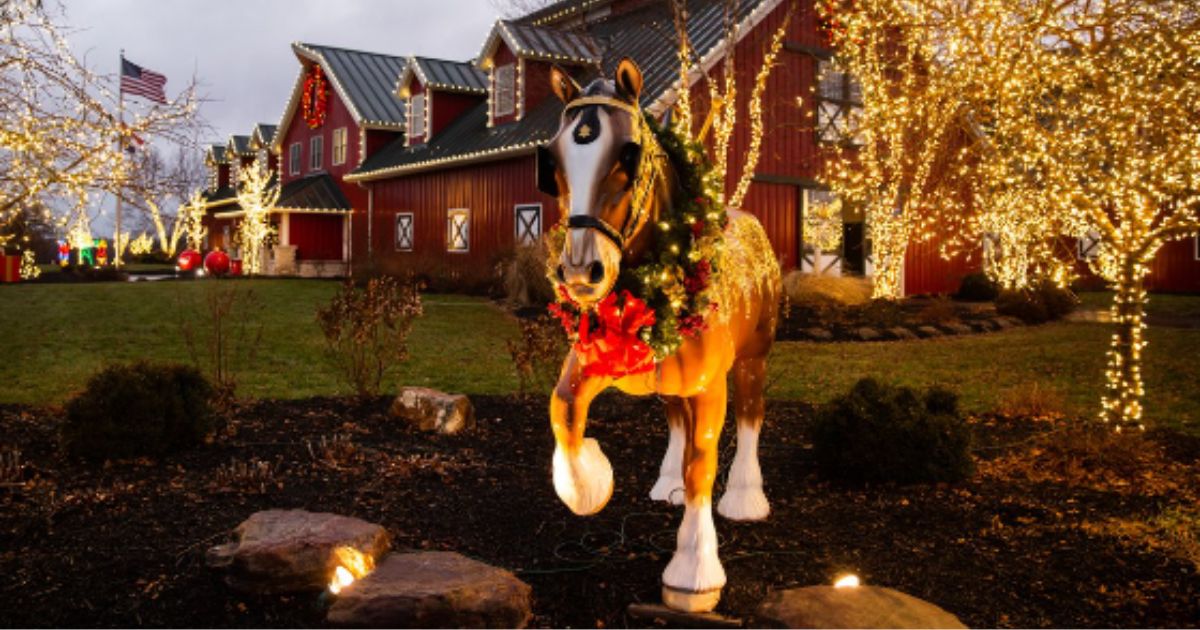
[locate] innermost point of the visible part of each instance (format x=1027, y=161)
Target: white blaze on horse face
x=584, y=163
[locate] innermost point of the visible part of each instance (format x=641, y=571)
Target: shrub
x=139, y=409
x=977, y=287
x=938, y=310
x=523, y=276
x=223, y=331
x=537, y=355
x=880, y=433
x=1033, y=400
x=817, y=290
x=366, y=329
x=1041, y=303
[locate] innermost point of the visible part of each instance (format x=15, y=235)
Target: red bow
x=615, y=347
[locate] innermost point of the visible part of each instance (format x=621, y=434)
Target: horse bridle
x=649, y=169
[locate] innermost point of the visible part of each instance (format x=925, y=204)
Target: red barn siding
x=1175, y=268
x=926, y=272
x=777, y=207
x=338, y=115
x=316, y=236
x=537, y=83
x=490, y=191
x=448, y=106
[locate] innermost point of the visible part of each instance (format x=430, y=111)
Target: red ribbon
x=615, y=347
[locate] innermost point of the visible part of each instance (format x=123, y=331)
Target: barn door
x=821, y=217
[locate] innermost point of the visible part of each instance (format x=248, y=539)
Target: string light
x=257, y=195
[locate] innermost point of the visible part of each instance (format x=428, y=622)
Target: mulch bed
x=123, y=545
x=885, y=320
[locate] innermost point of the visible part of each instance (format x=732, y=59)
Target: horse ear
x=547, y=176
x=563, y=85
x=629, y=80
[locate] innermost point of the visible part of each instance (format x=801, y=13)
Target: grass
x=55, y=336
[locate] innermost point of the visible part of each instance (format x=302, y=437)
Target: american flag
x=139, y=81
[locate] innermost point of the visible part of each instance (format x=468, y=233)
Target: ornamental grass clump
x=883, y=434
x=366, y=329
x=143, y=409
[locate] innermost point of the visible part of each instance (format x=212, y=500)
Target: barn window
x=404, y=232
x=529, y=223
x=839, y=105
x=1088, y=245
x=316, y=152
x=416, y=116
x=505, y=90
x=339, y=145
x=294, y=159
x=458, y=230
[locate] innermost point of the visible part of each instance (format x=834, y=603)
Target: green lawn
x=56, y=335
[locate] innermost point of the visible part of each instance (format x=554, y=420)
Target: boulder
x=983, y=325
x=433, y=589
x=818, y=334
x=292, y=551
x=902, y=333
x=431, y=410
x=928, y=331
x=867, y=334
x=956, y=328
x=856, y=607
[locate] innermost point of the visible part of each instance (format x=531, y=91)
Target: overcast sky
x=241, y=50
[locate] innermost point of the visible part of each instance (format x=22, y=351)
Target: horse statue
x=614, y=182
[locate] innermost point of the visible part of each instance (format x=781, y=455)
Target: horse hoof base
x=690, y=602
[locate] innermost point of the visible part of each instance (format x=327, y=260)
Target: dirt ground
x=1034, y=539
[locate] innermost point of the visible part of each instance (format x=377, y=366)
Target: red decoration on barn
x=314, y=103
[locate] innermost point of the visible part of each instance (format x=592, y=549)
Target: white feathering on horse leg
x=744, y=499
x=669, y=486
x=695, y=567
x=584, y=479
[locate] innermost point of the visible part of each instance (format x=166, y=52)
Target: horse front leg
x=583, y=477
x=693, y=580
x=669, y=486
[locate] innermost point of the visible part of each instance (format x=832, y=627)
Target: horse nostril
x=596, y=271
x=562, y=273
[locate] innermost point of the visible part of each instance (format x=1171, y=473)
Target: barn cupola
x=217, y=163
x=435, y=93
x=514, y=51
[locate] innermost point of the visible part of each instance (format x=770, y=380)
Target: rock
x=1013, y=322
x=818, y=334
x=867, y=334
x=1002, y=323
x=431, y=410
x=291, y=551
x=857, y=607
x=433, y=589
x=983, y=325
x=928, y=331
x=900, y=332
x=956, y=328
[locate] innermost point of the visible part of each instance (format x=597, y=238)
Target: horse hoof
x=583, y=480
x=690, y=602
x=744, y=504
x=669, y=490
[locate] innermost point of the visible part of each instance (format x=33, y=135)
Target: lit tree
x=60, y=136
x=257, y=194
x=191, y=216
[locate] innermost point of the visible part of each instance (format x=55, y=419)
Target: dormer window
x=416, y=116
x=504, y=90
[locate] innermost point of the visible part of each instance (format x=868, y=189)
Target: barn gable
x=435, y=93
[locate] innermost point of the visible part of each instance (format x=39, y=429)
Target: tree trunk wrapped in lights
x=257, y=194
x=192, y=218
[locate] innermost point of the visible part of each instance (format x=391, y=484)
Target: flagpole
x=117, y=245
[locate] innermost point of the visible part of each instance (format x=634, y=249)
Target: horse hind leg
x=744, y=499
x=669, y=486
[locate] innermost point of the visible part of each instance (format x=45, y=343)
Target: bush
x=977, y=287
x=1041, y=303
x=538, y=354
x=880, y=433
x=223, y=330
x=809, y=289
x=523, y=275
x=366, y=329
x=139, y=409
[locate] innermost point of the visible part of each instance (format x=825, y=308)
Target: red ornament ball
x=235, y=267
x=216, y=263
x=189, y=260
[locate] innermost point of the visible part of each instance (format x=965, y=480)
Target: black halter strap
x=598, y=224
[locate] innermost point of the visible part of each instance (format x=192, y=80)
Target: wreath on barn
x=656, y=305
x=314, y=102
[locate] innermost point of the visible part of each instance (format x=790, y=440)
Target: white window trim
x=412, y=232
x=316, y=158
x=1092, y=238
x=295, y=157
x=517, y=223
x=450, y=231
x=512, y=105
x=423, y=132
x=339, y=146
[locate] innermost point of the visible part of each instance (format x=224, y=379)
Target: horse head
x=603, y=166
